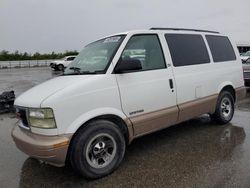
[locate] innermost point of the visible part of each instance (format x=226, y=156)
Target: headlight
x=42, y=118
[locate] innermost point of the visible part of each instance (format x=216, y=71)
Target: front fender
x=93, y=114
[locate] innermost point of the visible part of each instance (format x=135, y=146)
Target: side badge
x=136, y=112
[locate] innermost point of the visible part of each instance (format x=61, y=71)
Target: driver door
x=148, y=96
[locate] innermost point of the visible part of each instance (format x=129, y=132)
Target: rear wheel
x=224, y=109
x=97, y=149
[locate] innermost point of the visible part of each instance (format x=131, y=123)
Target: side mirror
x=128, y=65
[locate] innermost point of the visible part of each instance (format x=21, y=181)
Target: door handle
x=171, y=85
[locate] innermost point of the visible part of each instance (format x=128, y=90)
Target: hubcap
x=101, y=150
x=226, y=107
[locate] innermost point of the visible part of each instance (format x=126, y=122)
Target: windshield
x=246, y=54
x=95, y=57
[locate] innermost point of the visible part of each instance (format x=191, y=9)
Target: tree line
x=8, y=56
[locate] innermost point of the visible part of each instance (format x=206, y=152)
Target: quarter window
x=221, y=48
x=146, y=49
x=187, y=49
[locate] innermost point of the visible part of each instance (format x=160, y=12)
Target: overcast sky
x=59, y=25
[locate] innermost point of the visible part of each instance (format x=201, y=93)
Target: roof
x=183, y=29
x=159, y=29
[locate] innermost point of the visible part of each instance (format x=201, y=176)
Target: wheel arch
x=114, y=116
x=228, y=86
x=60, y=64
x=114, y=119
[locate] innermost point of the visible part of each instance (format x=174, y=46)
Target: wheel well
x=113, y=118
x=230, y=89
x=118, y=121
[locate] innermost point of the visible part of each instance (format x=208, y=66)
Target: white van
x=124, y=86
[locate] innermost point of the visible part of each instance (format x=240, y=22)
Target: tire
x=97, y=149
x=224, y=108
x=60, y=67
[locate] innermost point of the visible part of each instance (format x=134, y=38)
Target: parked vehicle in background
x=7, y=101
x=125, y=86
x=62, y=63
x=245, y=56
x=246, y=72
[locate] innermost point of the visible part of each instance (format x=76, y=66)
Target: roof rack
x=182, y=29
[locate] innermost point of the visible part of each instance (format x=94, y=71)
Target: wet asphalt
x=197, y=153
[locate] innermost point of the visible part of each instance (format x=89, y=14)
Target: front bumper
x=50, y=149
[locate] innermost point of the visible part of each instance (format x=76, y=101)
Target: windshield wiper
x=92, y=72
x=78, y=72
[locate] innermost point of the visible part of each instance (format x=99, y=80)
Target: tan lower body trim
x=153, y=121
x=130, y=130
x=150, y=122
x=51, y=149
x=197, y=107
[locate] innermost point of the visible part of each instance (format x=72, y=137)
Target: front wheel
x=60, y=67
x=224, y=109
x=97, y=149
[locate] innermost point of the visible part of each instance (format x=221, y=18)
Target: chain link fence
x=24, y=64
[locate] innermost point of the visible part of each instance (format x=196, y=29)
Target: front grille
x=247, y=75
x=23, y=116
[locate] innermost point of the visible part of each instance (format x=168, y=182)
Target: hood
x=57, y=61
x=36, y=95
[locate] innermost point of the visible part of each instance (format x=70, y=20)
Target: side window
x=187, y=49
x=221, y=48
x=147, y=49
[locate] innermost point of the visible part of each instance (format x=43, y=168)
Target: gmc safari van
x=122, y=87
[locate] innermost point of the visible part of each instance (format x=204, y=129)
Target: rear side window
x=186, y=49
x=221, y=48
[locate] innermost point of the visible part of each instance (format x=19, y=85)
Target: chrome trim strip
x=20, y=124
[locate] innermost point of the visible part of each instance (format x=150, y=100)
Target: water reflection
x=168, y=155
